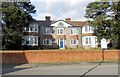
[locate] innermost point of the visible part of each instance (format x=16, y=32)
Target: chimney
x=47, y=18
x=68, y=19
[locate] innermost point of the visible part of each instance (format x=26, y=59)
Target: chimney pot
x=47, y=18
x=68, y=19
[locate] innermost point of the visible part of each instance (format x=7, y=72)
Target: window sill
x=47, y=34
x=31, y=31
x=73, y=34
x=73, y=44
x=60, y=34
x=31, y=44
x=47, y=44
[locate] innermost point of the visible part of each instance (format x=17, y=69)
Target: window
x=47, y=31
x=60, y=31
x=60, y=24
x=26, y=28
x=88, y=40
x=88, y=29
x=73, y=42
x=47, y=42
x=73, y=31
x=30, y=40
x=31, y=28
x=95, y=40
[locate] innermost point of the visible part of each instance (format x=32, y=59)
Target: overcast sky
x=60, y=9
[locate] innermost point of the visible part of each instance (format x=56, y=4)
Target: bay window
x=30, y=40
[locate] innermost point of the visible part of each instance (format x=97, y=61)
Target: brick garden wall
x=44, y=56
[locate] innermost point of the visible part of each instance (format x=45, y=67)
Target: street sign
x=103, y=43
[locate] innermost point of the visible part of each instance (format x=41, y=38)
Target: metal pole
x=102, y=57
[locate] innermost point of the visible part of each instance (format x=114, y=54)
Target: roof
x=60, y=20
x=73, y=23
x=77, y=23
x=43, y=23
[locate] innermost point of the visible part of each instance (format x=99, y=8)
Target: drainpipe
x=81, y=37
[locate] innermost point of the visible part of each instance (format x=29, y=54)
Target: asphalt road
x=62, y=69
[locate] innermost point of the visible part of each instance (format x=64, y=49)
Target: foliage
x=16, y=16
x=105, y=19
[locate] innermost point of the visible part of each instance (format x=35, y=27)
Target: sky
x=60, y=9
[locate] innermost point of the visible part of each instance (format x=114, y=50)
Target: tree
x=16, y=16
x=103, y=15
x=116, y=22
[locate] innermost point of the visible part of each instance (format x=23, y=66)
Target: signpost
x=103, y=47
x=103, y=43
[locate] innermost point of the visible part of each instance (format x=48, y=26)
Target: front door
x=61, y=43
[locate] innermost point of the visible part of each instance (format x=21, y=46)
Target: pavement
x=73, y=68
x=32, y=65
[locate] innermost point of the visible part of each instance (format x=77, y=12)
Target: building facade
x=59, y=34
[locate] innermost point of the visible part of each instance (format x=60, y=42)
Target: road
x=63, y=69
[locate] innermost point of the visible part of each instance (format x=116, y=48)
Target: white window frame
x=75, y=31
x=58, y=31
x=92, y=42
x=88, y=40
x=33, y=26
x=45, y=41
x=46, y=31
x=72, y=40
x=88, y=29
x=96, y=43
x=31, y=40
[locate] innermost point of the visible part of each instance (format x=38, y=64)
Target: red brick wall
x=31, y=33
x=73, y=36
x=88, y=34
x=47, y=36
x=61, y=36
x=43, y=56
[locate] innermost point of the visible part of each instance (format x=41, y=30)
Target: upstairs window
x=47, y=31
x=88, y=29
x=60, y=31
x=31, y=28
x=73, y=31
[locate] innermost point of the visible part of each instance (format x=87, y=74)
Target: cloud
x=74, y=9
